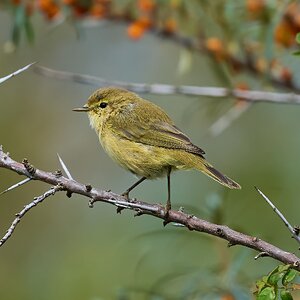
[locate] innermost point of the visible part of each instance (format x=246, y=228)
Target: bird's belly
x=143, y=160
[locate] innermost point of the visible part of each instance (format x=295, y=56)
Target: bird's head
x=105, y=103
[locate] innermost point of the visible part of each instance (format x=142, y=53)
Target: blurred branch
x=293, y=230
x=229, y=117
x=15, y=73
x=277, y=28
x=246, y=64
x=155, y=210
x=165, y=89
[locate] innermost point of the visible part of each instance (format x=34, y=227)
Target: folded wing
x=155, y=130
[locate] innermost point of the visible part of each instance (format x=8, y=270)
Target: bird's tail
x=209, y=170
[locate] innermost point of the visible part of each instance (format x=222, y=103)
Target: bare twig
x=280, y=215
x=156, y=210
x=26, y=208
x=16, y=185
x=165, y=89
x=261, y=254
x=16, y=73
x=64, y=167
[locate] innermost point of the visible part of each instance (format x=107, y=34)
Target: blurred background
x=63, y=249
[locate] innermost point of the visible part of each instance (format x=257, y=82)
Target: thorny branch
x=281, y=216
x=165, y=89
x=26, y=208
x=15, y=73
x=156, y=210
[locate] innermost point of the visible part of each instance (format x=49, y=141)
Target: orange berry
x=286, y=74
x=284, y=34
x=170, y=25
x=79, y=11
x=144, y=21
x=216, y=46
x=68, y=2
x=135, y=30
x=16, y=2
x=255, y=6
x=97, y=10
x=146, y=5
x=43, y=4
x=52, y=12
x=227, y=297
x=49, y=8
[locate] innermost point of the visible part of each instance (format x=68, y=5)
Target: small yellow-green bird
x=143, y=139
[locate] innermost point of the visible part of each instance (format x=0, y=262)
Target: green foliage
x=298, y=42
x=278, y=284
x=298, y=38
x=21, y=22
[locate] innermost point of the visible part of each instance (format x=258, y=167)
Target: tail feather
x=197, y=162
x=209, y=170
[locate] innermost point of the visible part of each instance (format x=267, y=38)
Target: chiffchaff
x=143, y=139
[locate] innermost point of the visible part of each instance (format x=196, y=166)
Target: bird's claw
x=125, y=195
x=167, y=215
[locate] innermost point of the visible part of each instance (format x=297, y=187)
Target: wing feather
x=155, y=130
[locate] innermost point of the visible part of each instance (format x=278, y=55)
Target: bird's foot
x=167, y=215
x=126, y=196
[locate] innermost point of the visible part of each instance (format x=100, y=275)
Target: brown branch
x=156, y=210
x=26, y=208
x=166, y=89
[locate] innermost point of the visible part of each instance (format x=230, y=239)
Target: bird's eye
x=103, y=104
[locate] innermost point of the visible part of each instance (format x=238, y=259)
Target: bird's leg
x=168, y=204
x=126, y=193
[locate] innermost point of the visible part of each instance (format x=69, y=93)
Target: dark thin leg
x=126, y=193
x=168, y=205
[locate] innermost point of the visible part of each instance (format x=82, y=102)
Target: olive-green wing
x=156, y=129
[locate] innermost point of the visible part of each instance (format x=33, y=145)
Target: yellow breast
x=140, y=159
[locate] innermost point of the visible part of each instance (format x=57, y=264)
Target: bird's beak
x=85, y=108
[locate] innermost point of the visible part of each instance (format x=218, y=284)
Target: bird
x=143, y=139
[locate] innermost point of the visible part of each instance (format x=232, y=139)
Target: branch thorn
x=16, y=185
x=280, y=215
x=64, y=167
